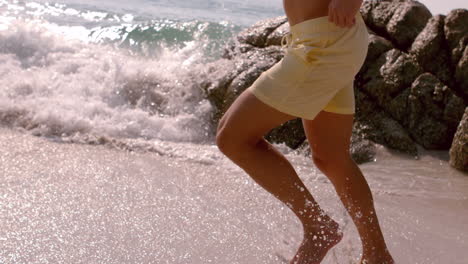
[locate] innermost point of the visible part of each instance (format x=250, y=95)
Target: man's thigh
x=329, y=133
x=249, y=117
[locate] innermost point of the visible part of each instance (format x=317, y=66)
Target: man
x=326, y=48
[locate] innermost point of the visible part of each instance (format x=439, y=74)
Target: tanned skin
x=340, y=12
x=240, y=137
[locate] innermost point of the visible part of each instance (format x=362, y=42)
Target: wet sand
x=76, y=203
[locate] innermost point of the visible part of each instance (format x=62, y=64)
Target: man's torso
x=301, y=10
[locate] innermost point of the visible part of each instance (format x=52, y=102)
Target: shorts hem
x=337, y=110
x=279, y=107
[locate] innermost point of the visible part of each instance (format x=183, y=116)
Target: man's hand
x=342, y=12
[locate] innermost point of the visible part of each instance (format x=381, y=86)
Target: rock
x=398, y=71
x=234, y=48
x=290, y=133
x=408, y=20
x=377, y=46
x=390, y=74
x=398, y=107
x=362, y=150
x=259, y=60
x=379, y=127
x=399, y=21
x=216, y=79
x=428, y=122
x=225, y=79
x=386, y=131
x=277, y=35
x=429, y=110
x=429, y=50
x=461, y=75
x=377, y=14
x=459, y=149
x=453, y=109
x=456, y=32
x=254, y=37
x=257, y=34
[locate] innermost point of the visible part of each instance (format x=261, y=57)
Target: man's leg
x=240, y=137
x=329, y=138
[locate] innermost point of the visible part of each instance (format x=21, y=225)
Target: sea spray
x=55, y=86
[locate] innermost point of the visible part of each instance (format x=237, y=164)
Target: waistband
x=314, y=25
x=319, y=24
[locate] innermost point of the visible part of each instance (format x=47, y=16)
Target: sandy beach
x=76, y=203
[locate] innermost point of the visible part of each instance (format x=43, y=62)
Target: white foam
x=54, y=85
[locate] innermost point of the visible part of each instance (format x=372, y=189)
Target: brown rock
x=257, y=34
x=408, y=20
x=399, y=21
x=234, y=48
x=277, y=35
x=461, y=75
x=377, y=14
x=362, y=150
x=225, y=79
x=430, y=51
x=379, y=127
x=389, y=75
x=398, y=107
x=459, y=149
x=290, y=133
x=456, y=32
x=259, y=60
x=428, y=120
x=217, y=77
x=377, y=46
x=382, y=129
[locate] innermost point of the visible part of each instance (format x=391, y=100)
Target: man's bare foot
x=318, y=240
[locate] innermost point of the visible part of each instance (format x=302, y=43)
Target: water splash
x=54, y=86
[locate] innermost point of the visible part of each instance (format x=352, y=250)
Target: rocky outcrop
x=412, y=89
x=399, y=21
x=456, y=34
x=431, y=50
x=258, y=34
x=459, y=149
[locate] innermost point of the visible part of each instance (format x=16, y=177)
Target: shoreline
x=91, y=203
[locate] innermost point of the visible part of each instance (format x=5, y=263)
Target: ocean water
x=125, y=76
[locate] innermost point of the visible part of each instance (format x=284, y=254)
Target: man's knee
x=234, y=144
x=224, y=140
x=229, y=142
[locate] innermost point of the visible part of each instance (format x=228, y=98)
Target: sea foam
x=57, y=86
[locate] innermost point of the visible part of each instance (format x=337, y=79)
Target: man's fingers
x=335, y=18
x=341, y=20
x=332, y=14
x=340, y=17
x=348, y=21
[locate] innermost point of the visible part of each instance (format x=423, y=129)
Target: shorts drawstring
x=286, y=40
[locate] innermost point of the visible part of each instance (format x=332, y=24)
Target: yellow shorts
x=317, y=71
